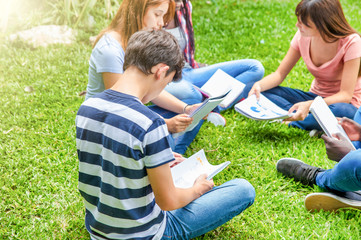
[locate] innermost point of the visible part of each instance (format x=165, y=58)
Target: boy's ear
x=160, y=70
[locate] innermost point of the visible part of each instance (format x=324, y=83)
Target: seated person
x=341, y=181
x=125, y=157
x=331, y=50
x=194, y=74
x=107, y=59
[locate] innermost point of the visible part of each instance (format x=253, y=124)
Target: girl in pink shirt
x=331, y=49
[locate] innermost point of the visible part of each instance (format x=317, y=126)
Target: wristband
x=184, y=109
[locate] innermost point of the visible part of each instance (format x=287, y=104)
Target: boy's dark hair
x=147, y=48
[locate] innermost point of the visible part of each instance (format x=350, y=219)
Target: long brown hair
x=328, y=17
x=129, y=18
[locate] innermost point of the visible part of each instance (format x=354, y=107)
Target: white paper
x=262, y=109
x=326, y=119
x=185, y=173
x=219, y=84
x=207, y=106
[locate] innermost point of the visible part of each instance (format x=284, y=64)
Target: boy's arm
x=167, y=196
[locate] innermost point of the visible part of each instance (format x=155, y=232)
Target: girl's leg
x=345, y=176
x=286, y=97
x=184, y=91
x=211, y=210
x=338, y=109
x=245, y=70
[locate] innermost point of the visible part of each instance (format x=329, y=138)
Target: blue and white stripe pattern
x=117, y=138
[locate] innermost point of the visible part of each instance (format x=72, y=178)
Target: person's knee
x=243, y=190
x=352, y=161
x=184, y=91
x=258, y=68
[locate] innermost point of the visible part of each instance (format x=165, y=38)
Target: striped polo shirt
x=117, y=139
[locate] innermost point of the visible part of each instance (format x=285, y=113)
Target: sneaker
x=217, y=119
x=315, y=133
x=298, y=170
x=329, y=202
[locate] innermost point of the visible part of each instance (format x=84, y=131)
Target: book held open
x=206, y=107
x=185, y=173
x=326, y=119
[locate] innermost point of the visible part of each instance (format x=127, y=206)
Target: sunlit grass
x=39, y=166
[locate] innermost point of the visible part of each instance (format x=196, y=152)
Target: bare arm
x=110, y=79
x=276, y=78
x=348, y=83
x=168, y=101
x=167, y=196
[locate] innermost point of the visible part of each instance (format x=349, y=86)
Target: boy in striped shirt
x=125, y=157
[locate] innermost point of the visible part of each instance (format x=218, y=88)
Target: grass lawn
x=39, y=166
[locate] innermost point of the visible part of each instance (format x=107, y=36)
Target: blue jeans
x=211, y=210
x=181, y=143
x=245, y=70
x=357, y=118
x=286, y=97
x=345, y=176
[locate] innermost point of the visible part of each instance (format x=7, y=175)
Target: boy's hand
x=178, y=123
x=178, y=159
x=203, y=185
x=352, y=128
x=336, y=147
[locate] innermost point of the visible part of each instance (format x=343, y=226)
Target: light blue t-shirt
x=107, y=56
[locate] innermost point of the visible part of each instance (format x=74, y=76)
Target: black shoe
x=298, y=170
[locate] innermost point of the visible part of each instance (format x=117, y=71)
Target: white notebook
x=262, y=109
x=185, y=173
x=326, y=119
x=219, y=84
x=205, y=108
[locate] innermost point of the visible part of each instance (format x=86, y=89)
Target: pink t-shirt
x=328, y=76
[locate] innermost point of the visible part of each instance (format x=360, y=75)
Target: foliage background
x=38, y=164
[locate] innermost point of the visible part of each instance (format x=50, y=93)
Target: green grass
x=38, y=164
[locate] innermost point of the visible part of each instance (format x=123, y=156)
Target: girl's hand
x=256, y=89
x=302, y=109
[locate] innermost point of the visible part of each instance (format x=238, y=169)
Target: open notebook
x=262, y=109
x=185, y=173
x=219, y=84
x=206, y=107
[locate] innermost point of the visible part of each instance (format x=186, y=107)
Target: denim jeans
x=211, y=210
x=286, y=97
x=345, y=176
x=245, y=70
x=357, y=118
